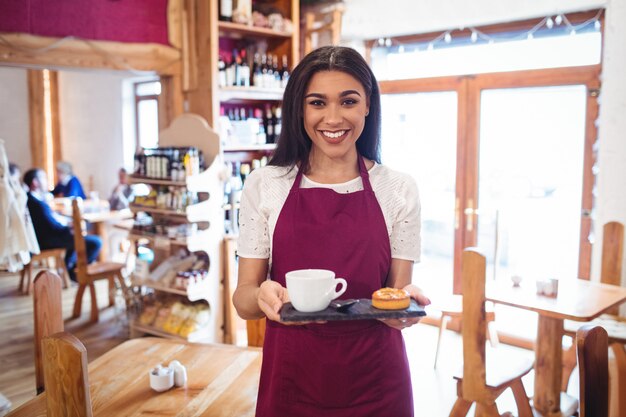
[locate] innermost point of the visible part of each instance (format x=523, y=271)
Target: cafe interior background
x=532, y=187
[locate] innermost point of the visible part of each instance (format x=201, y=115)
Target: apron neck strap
x=365, y=177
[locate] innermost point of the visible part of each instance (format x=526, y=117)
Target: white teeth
x=334, y=134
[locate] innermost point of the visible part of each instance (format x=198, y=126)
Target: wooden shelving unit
x=191, y=130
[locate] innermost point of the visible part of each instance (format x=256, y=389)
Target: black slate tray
x=362, y=310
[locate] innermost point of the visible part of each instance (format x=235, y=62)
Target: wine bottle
x=244, y=70
x=269, y=125
x=284, y=73
x=278, y=123
x=226, y=10
x=221, y=66
x=256, y=70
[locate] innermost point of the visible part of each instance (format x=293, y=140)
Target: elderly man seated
x=50, y=232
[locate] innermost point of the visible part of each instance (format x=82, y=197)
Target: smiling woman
x=335, y=108
x=325, y=202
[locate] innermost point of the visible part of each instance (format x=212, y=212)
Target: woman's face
x=335, y=106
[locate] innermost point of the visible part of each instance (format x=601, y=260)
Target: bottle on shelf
x=221, y=65
x=284, y=78
x=244, y=70
x=277, y=73
x=226, y=10
x=269, y=125
x=278, y=123
x=256, y=70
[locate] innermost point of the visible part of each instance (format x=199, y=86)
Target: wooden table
x=577, y=300
x=223, y=380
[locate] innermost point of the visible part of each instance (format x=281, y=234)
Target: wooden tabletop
x=222, y=381
x=577, y=299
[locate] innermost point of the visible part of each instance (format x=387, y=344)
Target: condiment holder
x=548, y=287
x=163, y=378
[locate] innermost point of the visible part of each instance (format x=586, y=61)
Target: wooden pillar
x=200, y=50
x=170, y=100
x=43, y=105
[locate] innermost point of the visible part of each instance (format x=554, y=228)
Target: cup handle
x=344, y=286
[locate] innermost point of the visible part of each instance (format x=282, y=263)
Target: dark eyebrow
x=342, y=94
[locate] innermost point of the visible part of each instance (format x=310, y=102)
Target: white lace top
x=266, y=190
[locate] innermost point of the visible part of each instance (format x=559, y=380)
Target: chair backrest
x=592, y=347
x=612, y=255
x=65, y=372
x=79, y=240
x=474, y=330
x=48, y=315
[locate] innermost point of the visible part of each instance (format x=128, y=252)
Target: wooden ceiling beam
x=58, y=53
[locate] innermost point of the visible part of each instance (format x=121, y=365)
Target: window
x=147, y=113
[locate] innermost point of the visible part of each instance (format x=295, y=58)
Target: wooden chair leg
x=20, y=287
x=62, y=270
x=460, y=408
x=111, y=288
x=94, y=303
x=78, y=302
x=29, y=281
x=521, y=399
x=486, y=410
x=620, y=361
x=442, y=328
x=569, y=363
x=492, y=334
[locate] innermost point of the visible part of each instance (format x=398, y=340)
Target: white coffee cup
x=313, y=289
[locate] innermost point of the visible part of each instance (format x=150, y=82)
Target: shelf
x=195, y=292
x=194, y=241
x=136, y=208
x=199, y=336
x=250, y=93
x=154, y=331
x=249, y=148
x=133, y=179
x=238, y=30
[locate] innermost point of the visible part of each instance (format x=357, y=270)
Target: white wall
x=370, y=19
x=14, y=128
x=611, y=180
x=91, y=126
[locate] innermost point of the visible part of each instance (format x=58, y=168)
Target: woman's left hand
x=416, y=294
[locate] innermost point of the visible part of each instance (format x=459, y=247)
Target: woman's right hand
x=271, y=297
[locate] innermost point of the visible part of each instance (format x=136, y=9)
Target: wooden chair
x=592, y=346
x=48, y=316
x=611, y=273
x=65, y=374
x=482, y=380
x=256, y=332
x=43, y=259
x=452, y=308
x=86, y=273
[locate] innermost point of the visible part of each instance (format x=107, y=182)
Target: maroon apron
x=353, y=368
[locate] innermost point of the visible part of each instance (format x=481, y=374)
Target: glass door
x=419, y=137
x=531, y=158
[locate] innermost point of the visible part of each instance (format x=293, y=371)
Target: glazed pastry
x=391, y=299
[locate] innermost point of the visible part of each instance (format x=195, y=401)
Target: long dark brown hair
x=294, y=144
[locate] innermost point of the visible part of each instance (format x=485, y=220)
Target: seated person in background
x=50, y=233
x=68, y=185
x=15, y=173
x=122, y=194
